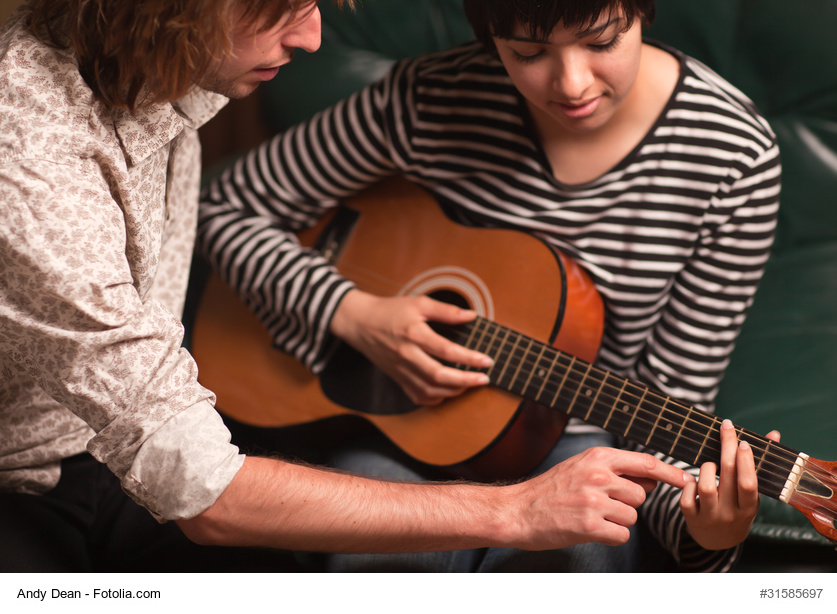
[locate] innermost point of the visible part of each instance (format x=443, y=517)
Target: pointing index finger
x=642, y=465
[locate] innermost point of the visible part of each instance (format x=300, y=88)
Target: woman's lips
x=579, y=111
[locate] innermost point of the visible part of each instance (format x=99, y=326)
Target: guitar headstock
x=815, y=495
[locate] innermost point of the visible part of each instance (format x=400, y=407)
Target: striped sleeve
x=249, y=216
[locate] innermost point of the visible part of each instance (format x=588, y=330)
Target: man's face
x=578, y=79
x=257, y=53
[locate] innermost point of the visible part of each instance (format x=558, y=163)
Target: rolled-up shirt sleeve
x=185, y=465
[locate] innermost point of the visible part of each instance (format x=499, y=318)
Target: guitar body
x=399, y=242
x=539, y=318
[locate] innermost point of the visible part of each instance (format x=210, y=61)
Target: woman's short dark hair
x=134, y=53
x=491, y=18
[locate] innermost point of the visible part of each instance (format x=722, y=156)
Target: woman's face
x=576, y=78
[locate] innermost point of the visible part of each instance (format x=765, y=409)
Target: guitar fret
x=469, y=342
x=547, y=377
x=616, y=403
x=613, y=406
x=537, y=361
x=563, y=381
x=578, y=389
x=506, y=363
x=652, y=419
x=705, y=441
x=545, y=364
x=520, y=362
x=477, y=337
x=520, y=365
x=595, y=400
x=773, y=480
x=666, y=431
x=680, y=432
x=639, y=408
x=491, y=332
x=535, y=367
x=763, y=454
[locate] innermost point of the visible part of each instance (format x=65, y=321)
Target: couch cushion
x=783, y=373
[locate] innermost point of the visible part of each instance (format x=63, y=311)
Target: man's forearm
x=276, y=504
x=592, y=496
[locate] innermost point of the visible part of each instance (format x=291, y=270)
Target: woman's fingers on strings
x=707, y=486
x=748, y=494
x=728, y=485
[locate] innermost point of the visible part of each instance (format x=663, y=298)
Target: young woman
x=652, y=172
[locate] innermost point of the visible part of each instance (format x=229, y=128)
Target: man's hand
x=395, y=335
x=592, y=496
x=719, y=513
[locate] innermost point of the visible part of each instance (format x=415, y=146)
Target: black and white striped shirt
x=675, y=237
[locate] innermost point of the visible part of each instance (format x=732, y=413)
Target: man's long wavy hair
x=134, y=53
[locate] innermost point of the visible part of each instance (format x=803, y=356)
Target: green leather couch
x=783, y=373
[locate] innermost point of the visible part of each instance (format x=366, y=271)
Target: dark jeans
x=88, y=524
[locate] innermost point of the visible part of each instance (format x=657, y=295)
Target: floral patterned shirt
x=97, y=221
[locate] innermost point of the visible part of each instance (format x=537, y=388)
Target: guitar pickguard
x=351, y=381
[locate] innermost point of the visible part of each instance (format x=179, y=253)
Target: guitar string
x=688, y=438
x=594, y=375
x=770, y=468
x=823, y=474
x=777, y=453
x=789, y=457
x=770, y=472
x=589, y=376
x=811, y=468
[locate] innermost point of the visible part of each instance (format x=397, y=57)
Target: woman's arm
x=249, y=214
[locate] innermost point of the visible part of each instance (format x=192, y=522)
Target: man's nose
x=305, y=32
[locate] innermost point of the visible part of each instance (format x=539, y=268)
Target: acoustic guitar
x=539, y=318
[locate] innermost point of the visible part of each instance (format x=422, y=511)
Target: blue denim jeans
x=590, y=557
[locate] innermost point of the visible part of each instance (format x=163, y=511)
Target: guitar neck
x=538, y=372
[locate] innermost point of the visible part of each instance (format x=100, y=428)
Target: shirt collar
x=148, y=129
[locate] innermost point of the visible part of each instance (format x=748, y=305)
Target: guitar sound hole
x=449, y=296
x=352, y=381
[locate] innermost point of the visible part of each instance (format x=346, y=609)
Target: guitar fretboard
x=538, y=372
